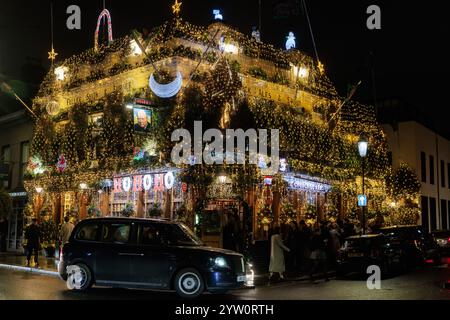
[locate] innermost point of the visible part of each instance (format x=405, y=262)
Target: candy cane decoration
x=105, y=13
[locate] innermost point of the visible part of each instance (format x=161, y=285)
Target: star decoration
x=52, y=55
x=176, y=8
x=321, y=67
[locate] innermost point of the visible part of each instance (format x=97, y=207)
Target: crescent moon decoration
x=103, y=14
x=53, y=108
x=166, y=90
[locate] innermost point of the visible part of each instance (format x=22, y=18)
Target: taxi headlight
x=221, y=262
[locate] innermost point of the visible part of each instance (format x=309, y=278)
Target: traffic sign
x=362, y=200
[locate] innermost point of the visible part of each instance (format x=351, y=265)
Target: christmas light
x=60, y=73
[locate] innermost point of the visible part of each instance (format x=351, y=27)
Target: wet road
x=421, y=284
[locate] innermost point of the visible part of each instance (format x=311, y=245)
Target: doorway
x=16, y=223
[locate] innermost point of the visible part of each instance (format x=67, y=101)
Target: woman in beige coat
x=277, y=249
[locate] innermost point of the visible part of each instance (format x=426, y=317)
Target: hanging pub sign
x=144, y=182
x=62, y=163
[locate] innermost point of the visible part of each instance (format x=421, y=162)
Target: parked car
x=443, y=240
x=147, y=254
x=360, y=252
x=418, y=244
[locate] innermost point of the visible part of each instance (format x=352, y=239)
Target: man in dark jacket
x=33, y=236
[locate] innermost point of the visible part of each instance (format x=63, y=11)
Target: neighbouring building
x=413, y=140
x=16, y=131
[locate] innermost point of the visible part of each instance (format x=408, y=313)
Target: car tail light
x=448, y=240
x=429, y=261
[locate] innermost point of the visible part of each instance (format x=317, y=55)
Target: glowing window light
x=135, y=48
x=300, y=72
x=60, y=73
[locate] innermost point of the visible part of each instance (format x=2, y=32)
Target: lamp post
x=362, y=148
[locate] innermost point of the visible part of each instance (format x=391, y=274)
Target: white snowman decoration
x=290, y=43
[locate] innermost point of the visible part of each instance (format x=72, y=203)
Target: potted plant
x=128, y=211
x=94, y=212
x=155, y=211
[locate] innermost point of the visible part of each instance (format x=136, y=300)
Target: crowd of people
x=304, y=249
x=33, y=239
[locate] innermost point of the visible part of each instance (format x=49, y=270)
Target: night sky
x=410, y=53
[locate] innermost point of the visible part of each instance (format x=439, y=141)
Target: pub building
x=97, y=110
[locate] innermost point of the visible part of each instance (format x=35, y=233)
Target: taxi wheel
x=189, y=284
x=81, y=278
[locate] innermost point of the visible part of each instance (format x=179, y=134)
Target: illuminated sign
x=143, y=102
x=18, y=194
x=362, y=200
x=142, y=120
x=283, y=165
x=145, y=182
x=296, y=183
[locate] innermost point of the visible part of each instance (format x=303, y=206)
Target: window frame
x=99, y=224
x=423, y=166
x=432, y=169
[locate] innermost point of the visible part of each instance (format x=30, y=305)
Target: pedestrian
x=292, y=242
x=3, y=233
x=277, y=249
x=229, y=232
x=334, y=243
x=33, y=238
x=318, y=254
x=65, y=231
x=349, y=228
x=304, y=239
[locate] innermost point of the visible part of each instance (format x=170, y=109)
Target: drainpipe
x=438, y=183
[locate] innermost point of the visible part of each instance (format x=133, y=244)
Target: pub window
x=431, y=170
x=5, y=158
x=448, y=175
x=24, y=156
x=442, y=174
x=423, y=166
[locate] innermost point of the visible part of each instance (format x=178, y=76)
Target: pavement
x=17, y=262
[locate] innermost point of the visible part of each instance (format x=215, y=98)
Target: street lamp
x=363, y=145
x=39, y=190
